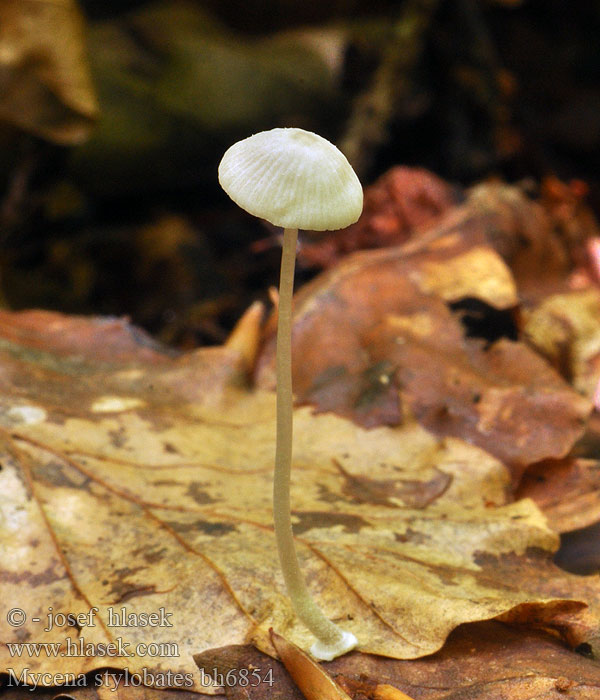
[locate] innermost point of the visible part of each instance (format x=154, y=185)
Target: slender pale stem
x=307, y=610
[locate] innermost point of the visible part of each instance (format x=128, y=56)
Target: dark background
x=129, y=219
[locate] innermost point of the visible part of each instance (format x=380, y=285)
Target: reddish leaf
x=400, y=203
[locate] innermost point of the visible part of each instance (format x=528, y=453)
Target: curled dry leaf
x=45, y=84
x=479, y=662
x=540, y=241
x=376, y=338
x=143, y=483
x=527, y=234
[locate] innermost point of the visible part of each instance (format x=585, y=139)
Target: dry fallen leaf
x=45, y=84
x=377, y=335
x=267, y=677
x=135, y=480
x=567, y=491
x=480, y=661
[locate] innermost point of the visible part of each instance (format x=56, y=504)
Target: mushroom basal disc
x=292, y=178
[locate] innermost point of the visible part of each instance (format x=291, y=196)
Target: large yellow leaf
x=132, y=480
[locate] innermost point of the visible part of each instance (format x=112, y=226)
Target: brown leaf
x=540, y=241
x=504, y=399
x=567, y=491
x=478, y=662
x=46, y=87
x=525, y=233
x=100, y=339
x=143, y=485
x=247, y=674
x=375, y=338
x=333, y=312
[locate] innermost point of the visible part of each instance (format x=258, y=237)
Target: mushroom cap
x=292, y=178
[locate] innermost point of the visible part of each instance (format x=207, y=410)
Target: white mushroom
x=294, y=179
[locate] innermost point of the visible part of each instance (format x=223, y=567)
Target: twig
x=375, y=107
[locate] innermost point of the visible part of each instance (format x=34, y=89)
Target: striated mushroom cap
x=292, y=178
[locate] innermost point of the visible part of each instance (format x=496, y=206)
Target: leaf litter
x=135, y=479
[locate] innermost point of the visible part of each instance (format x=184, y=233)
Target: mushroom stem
x=332, y=641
